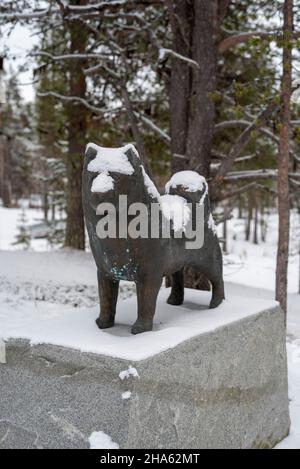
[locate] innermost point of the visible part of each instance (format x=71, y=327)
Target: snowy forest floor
x=51, y=281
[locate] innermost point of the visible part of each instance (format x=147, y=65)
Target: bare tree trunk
x=77, y=125
x=5, y=171
x=5, y=157
x=45, y=205
x=240, y=215
x=192, y=112
x=263, y=223
x=255, y=231
x=299, y=274
x=249, y=218
x=203, y=84
x=181, y=18
x=299, y=271
x=1, y=128
x=1, y=159
x=7, y=186
x=283, y=161
x=225, y=236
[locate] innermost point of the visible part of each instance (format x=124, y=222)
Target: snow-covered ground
x=54, y=283
x=10, y=220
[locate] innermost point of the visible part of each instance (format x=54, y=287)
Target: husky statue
x=147, y=255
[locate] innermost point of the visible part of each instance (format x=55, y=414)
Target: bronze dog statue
x=108, y=173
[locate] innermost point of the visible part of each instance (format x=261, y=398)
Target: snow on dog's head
x=188, y=184
x=110, y=160
x=190, y=180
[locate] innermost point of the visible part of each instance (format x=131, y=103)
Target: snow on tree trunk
x=283, y=160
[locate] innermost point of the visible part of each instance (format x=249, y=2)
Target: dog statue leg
x=177, y=291
x=147, y=292
x=218, y=294
x=108, y=295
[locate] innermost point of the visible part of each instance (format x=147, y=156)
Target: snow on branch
x=251, y=174
x=63, y=57
x=231, y=123
x=217, y=155
x=154, y=127
x=64, y=9
x=29, y=15
x=240, y=38
x=163, y=52
x=296, y=183
x=242, y=159
x=256, y=174
x=115, y=4
x=93, y=69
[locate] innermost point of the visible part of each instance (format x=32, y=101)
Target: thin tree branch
x=150, y=124
x=74, y=99
x=241, y=37
x=244, y=139
x=263, y=130
x=235, y=192
x=236, y=39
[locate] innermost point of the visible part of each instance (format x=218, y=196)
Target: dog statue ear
x=133, y=157
x=90, y=154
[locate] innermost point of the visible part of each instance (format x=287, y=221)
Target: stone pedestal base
x=225, y=387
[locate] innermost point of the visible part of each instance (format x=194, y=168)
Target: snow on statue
x=136, y=234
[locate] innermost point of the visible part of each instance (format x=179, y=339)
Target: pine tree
x=23, y=237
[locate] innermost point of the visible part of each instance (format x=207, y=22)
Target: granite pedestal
x=204, y=378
